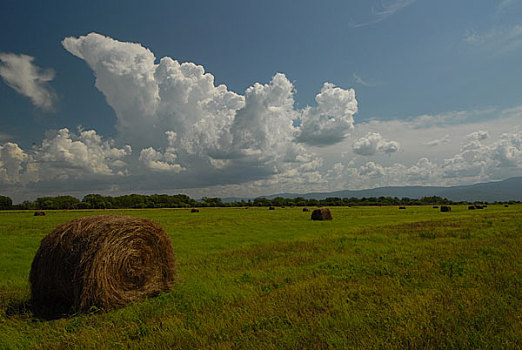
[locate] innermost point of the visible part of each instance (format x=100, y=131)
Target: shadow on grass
x=28, y=309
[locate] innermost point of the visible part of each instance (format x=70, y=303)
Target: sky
x=249, y=98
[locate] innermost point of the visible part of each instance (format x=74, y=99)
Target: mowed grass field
x=374, y=277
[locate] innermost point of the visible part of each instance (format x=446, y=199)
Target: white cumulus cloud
x=21, y=74
x=65, y=155
x=331, y=120
x=11, y=159
x=189, y=133
x=372, y=143
x=479, y=135
x=166, y=161
x=216, y=129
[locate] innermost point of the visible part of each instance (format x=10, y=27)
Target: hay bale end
x=102, y=261
x=39, y=213
x=445, y=208
x=322, y=214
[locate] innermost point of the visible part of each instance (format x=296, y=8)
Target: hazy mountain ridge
x=505, y=190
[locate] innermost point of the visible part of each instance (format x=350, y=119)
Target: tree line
x=138, y=201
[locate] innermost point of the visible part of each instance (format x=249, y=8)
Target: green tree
x=5, y=203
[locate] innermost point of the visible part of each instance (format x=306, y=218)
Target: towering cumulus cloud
x=330, y=121
x=179, y=122
x=11, y=159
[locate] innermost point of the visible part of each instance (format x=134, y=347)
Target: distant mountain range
x=505, y=190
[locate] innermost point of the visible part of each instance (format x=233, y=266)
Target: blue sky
x=418, y=92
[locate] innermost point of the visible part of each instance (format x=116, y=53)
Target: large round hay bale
x=39, y=213
x=445, y=208
x=306, y=209
x=321, y=214
x=194, y=210
x=271, y=208
x=101, y=261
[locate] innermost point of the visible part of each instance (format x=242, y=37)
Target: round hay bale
x=436, y=207
x=321, y=214
x=306, y=209
x=445, y=208
x=471, y=207
x=402, y=207
x=271, y=208
x=39, y=213
x=101, y=261
x=194, y=210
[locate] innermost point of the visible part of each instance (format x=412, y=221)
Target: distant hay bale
x=436, y=206
x=321, y=214
x=505, y=205
x=402, y=207
x=445, y=208
x=101, y=261
x=271, y=208
x=471, y=207
x=194, y=210
x=306, y=209
x=39, y=213
x=479, y=207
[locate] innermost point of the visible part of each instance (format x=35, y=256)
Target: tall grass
x=250, y=279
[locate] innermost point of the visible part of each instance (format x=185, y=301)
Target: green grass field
x=260, y=279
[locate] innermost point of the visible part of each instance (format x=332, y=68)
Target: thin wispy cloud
x=20, y=73
x=365, y=82
x=381, y=11
x=498, y=41
x=436, y=142
x=5, y=137
x=504, y=5
x=451, y=118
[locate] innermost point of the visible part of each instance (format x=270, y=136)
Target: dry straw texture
x=101, y=261
x=321, y=214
